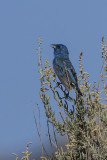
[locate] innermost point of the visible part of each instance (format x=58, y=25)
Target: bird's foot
x=58, y=84
x=66, y=94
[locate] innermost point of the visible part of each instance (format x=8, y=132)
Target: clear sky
x=77, y=24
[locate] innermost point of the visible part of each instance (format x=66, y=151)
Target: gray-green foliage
x=82, y=119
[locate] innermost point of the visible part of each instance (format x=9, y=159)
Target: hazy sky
x=77, y=24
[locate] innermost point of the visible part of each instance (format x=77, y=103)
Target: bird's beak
x=53, y=46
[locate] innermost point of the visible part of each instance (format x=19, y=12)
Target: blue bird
x=64, y=68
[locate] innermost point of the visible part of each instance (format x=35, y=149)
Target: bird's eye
x=58, y=47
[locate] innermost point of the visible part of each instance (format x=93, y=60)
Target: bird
x=64, y=68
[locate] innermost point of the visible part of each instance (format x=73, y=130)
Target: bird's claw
x=66, y=94
x=58, y=84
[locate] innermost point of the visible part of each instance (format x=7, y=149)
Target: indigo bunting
x=64, y=68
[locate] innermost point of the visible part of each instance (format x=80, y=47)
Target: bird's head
x=60, y=50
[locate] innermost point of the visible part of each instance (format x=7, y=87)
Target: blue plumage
x=64, y=68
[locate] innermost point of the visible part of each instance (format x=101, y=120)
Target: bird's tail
x=79, y=92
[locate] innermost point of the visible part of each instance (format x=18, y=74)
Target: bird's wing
x=60, y=72
x=72, y=75
x=71, y=70
x=65, y=72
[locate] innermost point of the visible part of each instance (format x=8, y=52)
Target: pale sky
x=77, y=24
